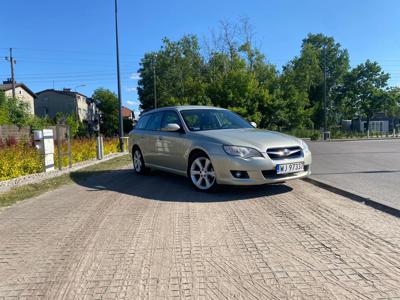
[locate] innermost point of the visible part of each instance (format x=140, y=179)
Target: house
x=128, y=113
x=50, y=102
x=22, y=92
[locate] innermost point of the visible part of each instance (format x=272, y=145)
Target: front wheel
x=202, y=174
x=138, y=162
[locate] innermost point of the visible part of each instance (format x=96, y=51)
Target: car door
x=172, y=145
x=150, y=140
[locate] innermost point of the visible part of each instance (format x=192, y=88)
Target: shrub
x=18, y=159
x=11, y=141
x=85, y=149
x=22, y=158
x=304, y=133
x=315, y=136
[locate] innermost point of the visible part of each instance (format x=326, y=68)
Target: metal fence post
x=59, y=150
x=69, y=147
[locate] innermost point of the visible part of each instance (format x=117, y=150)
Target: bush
x=85, y=149
x=304, y=133
x=18, y=159
x=22, y=158
x=315, y=136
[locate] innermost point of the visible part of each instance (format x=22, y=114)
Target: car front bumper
x=260, y=170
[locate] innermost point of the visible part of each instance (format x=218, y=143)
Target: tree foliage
x=108, y=104
x=230, y=71
x=364, y=90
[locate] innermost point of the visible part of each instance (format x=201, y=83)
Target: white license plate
x=290, y=168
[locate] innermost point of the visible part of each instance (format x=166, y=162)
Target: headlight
x=304, y=145
x=243, y=152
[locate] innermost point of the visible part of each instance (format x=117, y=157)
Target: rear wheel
x=138, y=162
x=201, y=173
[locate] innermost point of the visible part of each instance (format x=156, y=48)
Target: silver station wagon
x=214, y=146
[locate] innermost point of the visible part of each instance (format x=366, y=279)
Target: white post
x=45, y=144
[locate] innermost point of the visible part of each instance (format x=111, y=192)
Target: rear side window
x=154, y=122
x=142, y=122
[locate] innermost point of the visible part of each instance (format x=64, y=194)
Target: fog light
x=240, y=174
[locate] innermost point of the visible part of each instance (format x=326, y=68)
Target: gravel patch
x=38, y=177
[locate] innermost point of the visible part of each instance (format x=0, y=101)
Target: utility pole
x=121, y=129
x=155, y=80
x=12, y=63
x=325, y=98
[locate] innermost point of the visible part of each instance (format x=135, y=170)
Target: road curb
x=358, y=139
x=360, y=199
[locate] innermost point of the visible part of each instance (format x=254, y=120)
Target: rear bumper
x=260, y=170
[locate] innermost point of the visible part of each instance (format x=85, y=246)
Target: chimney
x=66, y=89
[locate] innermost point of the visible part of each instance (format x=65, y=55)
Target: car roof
x=181, y=107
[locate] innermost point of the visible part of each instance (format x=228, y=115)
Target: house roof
x=126, y=112
x=62, y=92
x=8, y=86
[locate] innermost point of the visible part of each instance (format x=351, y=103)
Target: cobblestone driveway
x=121, y=236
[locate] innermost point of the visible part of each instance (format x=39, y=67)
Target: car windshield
x=212, y=119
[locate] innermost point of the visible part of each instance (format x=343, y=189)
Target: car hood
x=251, y=137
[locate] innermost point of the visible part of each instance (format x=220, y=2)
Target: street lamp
x=121, y=129
x=155, y=80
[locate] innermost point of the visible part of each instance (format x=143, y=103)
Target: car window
x=154, y=122
x=212, y=119
x=142, y=122
x=170, y=117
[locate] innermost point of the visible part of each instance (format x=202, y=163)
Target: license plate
x=290, y=168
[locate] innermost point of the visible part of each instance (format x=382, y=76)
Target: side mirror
x=171, y=127
x=254, y=124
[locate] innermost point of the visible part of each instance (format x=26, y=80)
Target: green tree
x=308, y=75
x=364, y=90
x=178, y=67
x=3, y=109
x=18, y=112
x=108, y=104
x=392, y=102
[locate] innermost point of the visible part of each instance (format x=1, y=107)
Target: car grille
x=285, y=152
x=271, y=174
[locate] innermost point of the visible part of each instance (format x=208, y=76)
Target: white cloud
x=134, y=76
x=132, y=102
x=131, y=89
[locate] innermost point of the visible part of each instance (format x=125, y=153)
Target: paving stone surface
x=120, y=236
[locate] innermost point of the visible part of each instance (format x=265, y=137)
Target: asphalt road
x=120, y=236
x=367, y=168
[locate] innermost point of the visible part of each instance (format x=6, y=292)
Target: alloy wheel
x=137, y=161
x=202, y=173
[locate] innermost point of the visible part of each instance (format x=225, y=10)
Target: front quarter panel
x=211, y=147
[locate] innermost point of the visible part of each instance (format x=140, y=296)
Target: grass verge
x=35, y=189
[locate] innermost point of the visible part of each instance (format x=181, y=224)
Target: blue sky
x=72, y=42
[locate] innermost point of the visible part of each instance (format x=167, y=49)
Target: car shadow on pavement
x=168, y=187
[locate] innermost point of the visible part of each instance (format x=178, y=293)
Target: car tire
x=138, y=162
x=201, y=173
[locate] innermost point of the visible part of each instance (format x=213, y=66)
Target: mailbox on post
x=45, y=145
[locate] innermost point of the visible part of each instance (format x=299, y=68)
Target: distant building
x=22, y=92
x=128, y=113
x=379, y=123
x=50, y=102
